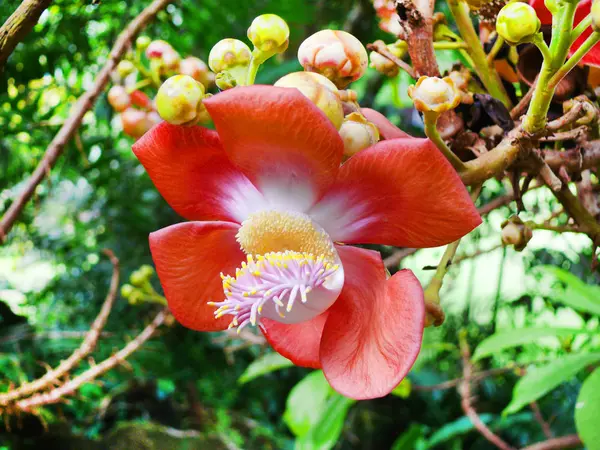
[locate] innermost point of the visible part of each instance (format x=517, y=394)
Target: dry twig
x=84, y=104
x=381, y=48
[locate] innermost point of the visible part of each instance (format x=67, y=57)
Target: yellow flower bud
x=198, y=70
x=383, y=65
x=127, y=290
x=319, y=90
x=227, y=54
x=125, y=68
x=137, y=278
x=358, y=134
x=179, y=100
x=118, y=98
x=269, y=33
x=433, y=94
x=142, y=43
x=517, y=23
x=335, y=54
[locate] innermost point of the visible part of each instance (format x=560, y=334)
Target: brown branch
x=571, y=441
x=381, y=48
x=464, y=389
x=537, y=413
x=518, y=110
x=86, y=347
x=586, y=194
x=455, y=382
x=56, y=394
x=83, y=104
x=18, y=25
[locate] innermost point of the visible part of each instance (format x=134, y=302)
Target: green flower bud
x=125, y=68
x=142, y=43
x=127, y=290
x=269, y=33
x=227, y=54
x=595, y=13
x=147, y=270
x=137, y=278
x=179, y=100
x=433, y=94
x=517, y=23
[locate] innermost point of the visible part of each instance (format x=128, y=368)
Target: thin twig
x=571, y=441
x=381, y=48
x=455, y=382
x=537, y=413
x=83, y=104
x=518, y=110
x=56, y=395
x=464, y=389
x=86, y=347
x=18, y=25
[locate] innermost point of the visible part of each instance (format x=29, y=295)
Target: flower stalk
x=430, y=119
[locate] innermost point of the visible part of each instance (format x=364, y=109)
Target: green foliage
x=263, y=365
x=573, y=292
x=586, y=410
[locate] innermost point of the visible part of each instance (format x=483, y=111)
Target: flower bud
x=118, y=98
x=335, y=54
x=433, y=94
x=179, y=100
x=227, y=54
x=162, y=51
x=269, y=33
x=383, y=65
x=127, y=290
x=516, y=233
x=135, y=122
x=595, y=13
x=142, y=43
x=197, y=69
x=147, y=270
x=152, y=118
x=319, y=90
x=138, y=278
x=358, y=134
x=125, y=68
x=517, y=23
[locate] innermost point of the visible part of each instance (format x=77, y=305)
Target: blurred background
x=190, y=390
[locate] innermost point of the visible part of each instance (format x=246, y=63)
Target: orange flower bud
x=358, y=134
x=433, y=94
x=135, y=122
x=319, y=90
x=118, y=98
x=141, y=100
x=335, y=54
x=197, y=69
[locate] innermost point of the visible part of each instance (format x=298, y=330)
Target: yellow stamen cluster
x=271, y=231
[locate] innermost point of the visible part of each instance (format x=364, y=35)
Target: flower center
x=274, y=231
x=289, y=287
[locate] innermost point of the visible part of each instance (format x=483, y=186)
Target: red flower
x=271, y=178
x=583, y=9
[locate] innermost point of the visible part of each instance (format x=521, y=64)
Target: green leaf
x=403, y=389
x=408, y=440
x=511, y=338
x=576, y=294
x=586, y=410
x=456, y=428
x=325, y=434
x=265, y=364
x=306, y=402
x=539, y=381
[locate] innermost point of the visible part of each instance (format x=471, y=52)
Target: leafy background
x=53, y=277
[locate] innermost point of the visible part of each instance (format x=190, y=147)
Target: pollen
x=276, y=231
x=285, y=279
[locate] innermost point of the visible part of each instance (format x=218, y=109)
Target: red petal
x=543, y=13
x=193, y=174
x=298, y=342
x=374, y=330
x=399, y=192
x=189, y=258
x=275, y=134
x=387, y=129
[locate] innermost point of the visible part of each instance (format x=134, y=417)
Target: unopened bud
x=165, y=53
x=433, y=94
x=125, y=68
x=138, y=278
x=127, y=290
x=319, y=90
x=141, y=100
x=118, y=98
x=517, y=23
x=142, y=43
x=516, y=233
x=227, y=54
x=197, y=69
x=335, y=54
x=147, y=270
x=383, y=65
x=595, y=13
x=358, y=134
x=135, y=122
x=179, y=100
x=269, y=33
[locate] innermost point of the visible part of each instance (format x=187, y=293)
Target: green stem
x=562, y=25
x=252, y=71
x=575, y=58
x=579, y=29
x=140, y=84
x=486, y=72
x=430, y=119
x=439, y=45
x=495, y=50
x=539, y=42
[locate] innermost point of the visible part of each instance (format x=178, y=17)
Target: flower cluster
x=389, y=21
x=141, y=73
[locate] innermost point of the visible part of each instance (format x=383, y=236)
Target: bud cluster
x=140, y=290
